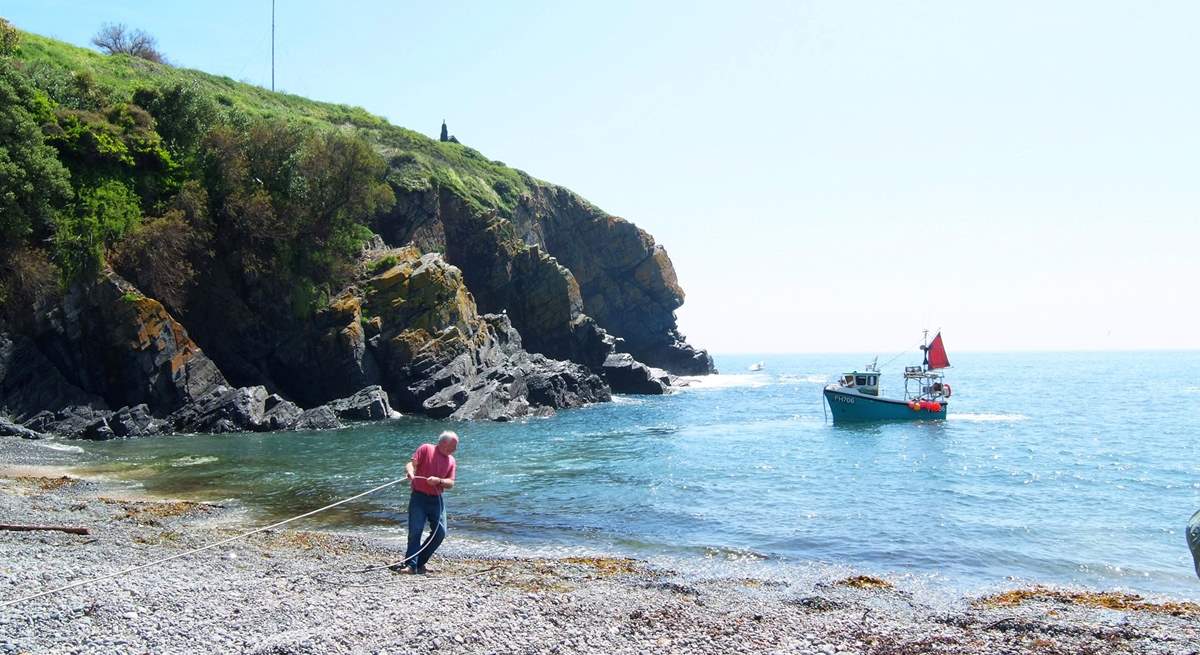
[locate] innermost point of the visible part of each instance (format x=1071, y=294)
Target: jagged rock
x=676, y=356
x=441, y=358
x=280, y=414
x=10, y=429
x=104, y=345
x=627, y=281
x=30, y=383
x=556, y=383
x=98, y=430
x=135, y=421
x=317, y=418
x=225, y=409
x=627, y=375
x=370, y=404
x=571, y=277
x=69, y=421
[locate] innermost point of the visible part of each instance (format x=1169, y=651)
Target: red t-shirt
x=428, y=462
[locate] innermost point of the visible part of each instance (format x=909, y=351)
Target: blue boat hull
x=850, y=407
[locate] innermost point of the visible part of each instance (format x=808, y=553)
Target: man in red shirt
x=431, y=471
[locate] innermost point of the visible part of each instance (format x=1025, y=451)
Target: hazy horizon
x=1021, y=175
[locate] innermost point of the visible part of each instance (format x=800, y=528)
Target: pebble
x=274, y=604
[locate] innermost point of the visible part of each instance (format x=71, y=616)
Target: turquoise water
x=1060, y=468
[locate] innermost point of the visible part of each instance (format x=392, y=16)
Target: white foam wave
x=725, y=381
x=627, y=400
x=811, y=378
x=60, y=447
x=986, y=418
x=192, y=461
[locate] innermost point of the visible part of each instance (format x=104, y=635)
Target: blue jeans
x=422, y=509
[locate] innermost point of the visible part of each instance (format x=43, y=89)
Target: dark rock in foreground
x=8, y=428
x=627, y=375
x=369, y=404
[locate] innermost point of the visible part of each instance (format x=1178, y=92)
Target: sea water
x=1070, y=468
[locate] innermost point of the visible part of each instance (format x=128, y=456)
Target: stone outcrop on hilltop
x=577, y=283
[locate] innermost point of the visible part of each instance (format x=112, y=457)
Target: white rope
x=212, y=545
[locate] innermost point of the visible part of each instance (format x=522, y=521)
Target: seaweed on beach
x=43, y=483
x=606, y=566
x=149, y=513
x=864, y=582
x=1112, y=600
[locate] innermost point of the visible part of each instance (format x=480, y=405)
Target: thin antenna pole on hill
x=272, y=45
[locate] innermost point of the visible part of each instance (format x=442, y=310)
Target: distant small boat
x=757, y=366
x=856, y=396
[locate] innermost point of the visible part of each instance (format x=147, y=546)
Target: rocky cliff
x=269, y=262
x=577, y=282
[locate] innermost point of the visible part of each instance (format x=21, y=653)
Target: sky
x=826, y=176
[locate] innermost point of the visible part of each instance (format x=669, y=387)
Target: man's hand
x=437, y=482
x=410, y=471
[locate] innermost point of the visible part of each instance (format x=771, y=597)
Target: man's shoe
x=401, y=569
x=422, y=570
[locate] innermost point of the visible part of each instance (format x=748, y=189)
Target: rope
x=212, y=545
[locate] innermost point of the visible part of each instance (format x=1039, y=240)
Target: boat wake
x=986, y=418
x=724, y=381
x=811, y=378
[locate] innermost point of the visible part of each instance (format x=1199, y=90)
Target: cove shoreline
x=293, y=591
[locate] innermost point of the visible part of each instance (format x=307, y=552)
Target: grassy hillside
x=416, y=160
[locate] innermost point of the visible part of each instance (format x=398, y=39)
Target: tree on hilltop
x=116, y=38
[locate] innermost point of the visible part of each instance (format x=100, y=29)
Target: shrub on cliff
x=289, y=204
x=102, y=215
x=27, y=279
x=34, y=186
x=120, y=143
x=10, y=38
x=182, y=115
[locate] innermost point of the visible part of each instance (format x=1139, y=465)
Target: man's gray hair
x=448, y=434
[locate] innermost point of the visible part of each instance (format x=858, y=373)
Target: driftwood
x=31, y=528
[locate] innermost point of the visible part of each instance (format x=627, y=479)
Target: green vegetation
x=383, y=263
x=180, y=178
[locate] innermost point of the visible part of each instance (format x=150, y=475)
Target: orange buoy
x=914, y=406
x=935, y=406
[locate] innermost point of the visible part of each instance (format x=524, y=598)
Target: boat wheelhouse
x=857, y=396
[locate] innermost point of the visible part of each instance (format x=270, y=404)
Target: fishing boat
x=757, y=366
x=857, y=395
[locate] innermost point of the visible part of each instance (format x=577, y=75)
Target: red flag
x=937, y=353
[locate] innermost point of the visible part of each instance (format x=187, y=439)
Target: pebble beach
x=297, y=591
